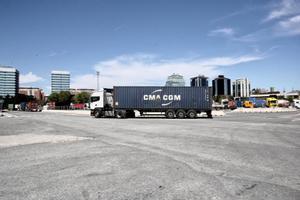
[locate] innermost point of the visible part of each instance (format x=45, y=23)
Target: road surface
x=62, y=156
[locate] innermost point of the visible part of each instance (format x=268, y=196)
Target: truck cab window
x=93, y=99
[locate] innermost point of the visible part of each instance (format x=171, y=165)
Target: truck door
x=96, y=100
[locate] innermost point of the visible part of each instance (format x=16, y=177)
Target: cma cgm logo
x=154, y=96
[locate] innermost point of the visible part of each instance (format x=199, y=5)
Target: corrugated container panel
x=132, y=97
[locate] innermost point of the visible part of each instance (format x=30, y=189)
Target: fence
x=72, y=107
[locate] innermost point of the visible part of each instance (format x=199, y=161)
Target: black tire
x=122, y=114
x=98, y=114
x=170, y=114
x=192, y=114
x=130, y=114
x=180, y=114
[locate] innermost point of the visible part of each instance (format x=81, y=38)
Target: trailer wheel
x=170, y=114
x=180, y=114
x=192, y=114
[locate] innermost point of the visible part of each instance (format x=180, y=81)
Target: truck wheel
x=180, y=114
x=170, y=114
x=130, y=114
x=122, y=114
x=192, y=114
x=98, y=113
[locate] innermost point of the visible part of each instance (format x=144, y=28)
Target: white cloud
x=145, y=69
x=283, y=9
x=222, y=32
x=29, y=78
x=88, y=81
x=288, y=27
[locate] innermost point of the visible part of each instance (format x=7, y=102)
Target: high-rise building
x=9, y=81
x=60, y=81
x=199, y=81
x=241, y=88
x=221, y=86
x=175, y=80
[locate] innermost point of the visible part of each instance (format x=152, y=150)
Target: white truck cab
x=101, y=103
x=96, y=100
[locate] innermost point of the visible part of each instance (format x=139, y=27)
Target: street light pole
x=98, y=76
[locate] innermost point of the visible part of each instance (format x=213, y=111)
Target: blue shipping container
x=161, y=98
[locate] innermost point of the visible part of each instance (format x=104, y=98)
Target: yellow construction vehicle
x=271, y=102
x=248, y=104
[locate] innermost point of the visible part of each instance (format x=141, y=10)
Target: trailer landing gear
x=209, y=115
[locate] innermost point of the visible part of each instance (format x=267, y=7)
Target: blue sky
x=140, y=42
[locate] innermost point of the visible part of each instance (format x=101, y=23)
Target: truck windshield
x=93, y=99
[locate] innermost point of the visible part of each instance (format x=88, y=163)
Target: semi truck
x=173, y=102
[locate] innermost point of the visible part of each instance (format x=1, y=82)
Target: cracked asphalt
x=238, y=156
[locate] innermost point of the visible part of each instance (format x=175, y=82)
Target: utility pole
x=98, y=76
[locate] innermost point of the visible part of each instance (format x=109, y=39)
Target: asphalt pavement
x=237, y=156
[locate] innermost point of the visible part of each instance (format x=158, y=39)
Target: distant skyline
x=139, y=42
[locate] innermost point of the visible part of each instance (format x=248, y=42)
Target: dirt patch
x=25, y=139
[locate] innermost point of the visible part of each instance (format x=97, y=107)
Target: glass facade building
x=60, y=81
x=9, y=81
x=199, y=81
x=221, y=86
x=175, y=80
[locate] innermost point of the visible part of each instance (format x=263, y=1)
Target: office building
x=60, y=81
x=37, y=93
x=175, y=80
x=9, y=81
x=221, y=86
x=199, y=81
x=241, y=88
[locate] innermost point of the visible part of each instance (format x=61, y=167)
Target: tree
x=53, y=97
x=290, y=99
x=19, y=98
x=64, y=98
x=61, y=99
x=82, y=97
